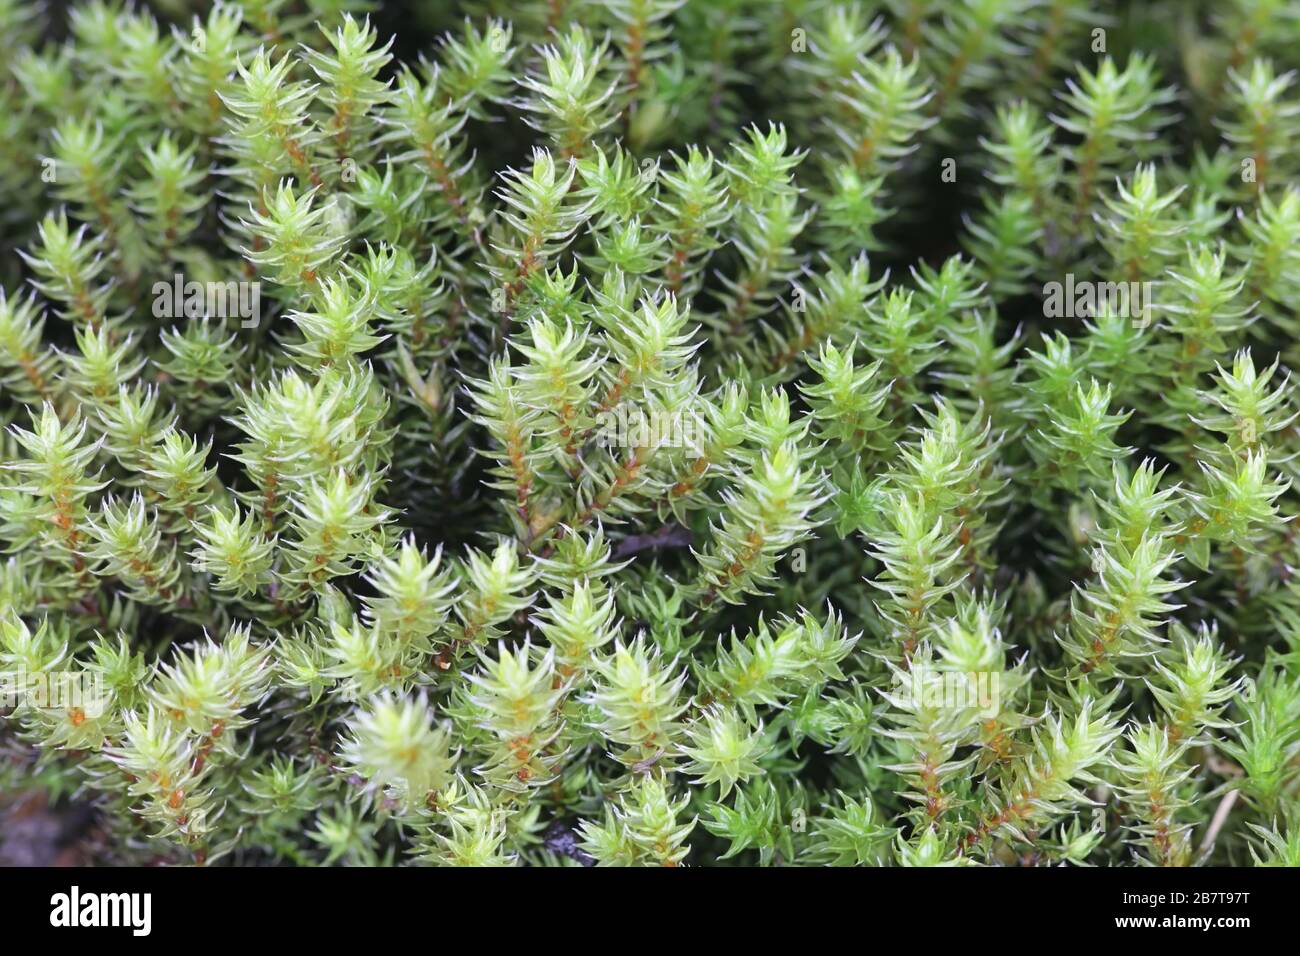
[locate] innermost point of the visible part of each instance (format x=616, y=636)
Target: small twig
x=1216, y=824
x=669, y=536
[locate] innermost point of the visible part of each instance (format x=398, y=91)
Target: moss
x=669, y=432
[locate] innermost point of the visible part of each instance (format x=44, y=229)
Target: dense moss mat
x=652, y=432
